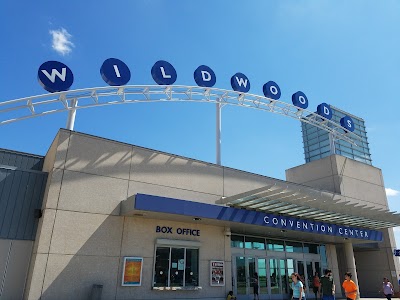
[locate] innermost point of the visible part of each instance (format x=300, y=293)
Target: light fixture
x=138, y=214
x=227, y=231
x=283, y=230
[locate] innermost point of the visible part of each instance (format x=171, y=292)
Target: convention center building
x=101, y=219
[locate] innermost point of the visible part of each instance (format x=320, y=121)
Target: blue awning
x=257, y=218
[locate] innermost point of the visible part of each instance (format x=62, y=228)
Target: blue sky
x=345, y=53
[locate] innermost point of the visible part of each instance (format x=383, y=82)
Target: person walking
x=327, y=286
x=387, y=288
x=303, y=280
x=350, y=288
x=316, y=284
x=255, y=286
x=230, y=296
x=297, y=287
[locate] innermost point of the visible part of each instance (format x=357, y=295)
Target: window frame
x=176, y=244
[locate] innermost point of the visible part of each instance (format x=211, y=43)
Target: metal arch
x=35, y=106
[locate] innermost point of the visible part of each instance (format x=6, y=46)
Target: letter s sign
x=347, y=123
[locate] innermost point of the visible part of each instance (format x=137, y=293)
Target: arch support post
x=218, y=133
x=71, y=115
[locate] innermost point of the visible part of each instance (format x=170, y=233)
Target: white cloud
x=391, y=192
x=61, y=41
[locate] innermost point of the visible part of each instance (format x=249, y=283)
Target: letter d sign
x=324, y=110
x=204, y=76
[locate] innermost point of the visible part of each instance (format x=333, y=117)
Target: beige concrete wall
x=333, y=265
x=82, y=238
x=372, y=266
x=15, y=257
x=361, y=183
x=139, y=238
x=318, y=174
x=355, y=181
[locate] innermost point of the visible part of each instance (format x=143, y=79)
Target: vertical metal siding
x=8, y=212
x=21, y=192
x=22, y=161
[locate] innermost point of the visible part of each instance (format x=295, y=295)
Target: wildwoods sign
x=55, y=76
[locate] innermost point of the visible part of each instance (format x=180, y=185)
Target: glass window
x=326, y=148
x=192, y=267
x=237, y=241
x=325, y=154
x=310, y=248
x=312, y=135
x=324, y=143
x=294, y=247
x=161, y=272
x=313, y=141
x=241, y=275
x=324, y=259
x=315, y=152
x=315, y=157
x=275, y=245
x=313, y=147
x=254, y=243
x=176, y=267
x=344, y=143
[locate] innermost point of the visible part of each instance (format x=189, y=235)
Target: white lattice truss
x=35, y=106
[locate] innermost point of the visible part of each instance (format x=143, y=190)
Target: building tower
x=346, y=170
x=319, y=143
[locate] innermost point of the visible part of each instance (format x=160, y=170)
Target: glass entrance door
x=245, y=269
x=279, y=274
x=262, y=276
x=273, y=276
x=306, y=270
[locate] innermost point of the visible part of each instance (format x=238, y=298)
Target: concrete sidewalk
x=374, y=298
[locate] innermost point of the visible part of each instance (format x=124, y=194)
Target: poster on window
x=132, y=271
x=217, y=273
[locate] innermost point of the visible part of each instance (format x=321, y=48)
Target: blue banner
x=224, y=213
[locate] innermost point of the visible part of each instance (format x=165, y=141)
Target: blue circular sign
x=163, y=73
x=240, y=83
x=347, y=123
x=299, y=99
x=272, y=90
x=54, y=76
x=324, y=110
x=115, y=72
x=204, y=76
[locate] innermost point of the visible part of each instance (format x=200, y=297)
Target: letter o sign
x=271, y=90
x=300, y=100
